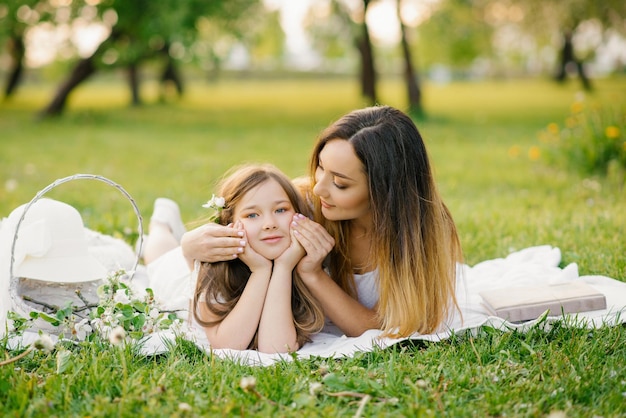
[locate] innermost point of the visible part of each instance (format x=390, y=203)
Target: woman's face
x=266, y=213
x=341, y=183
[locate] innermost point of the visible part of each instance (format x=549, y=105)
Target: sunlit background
x=523, y=36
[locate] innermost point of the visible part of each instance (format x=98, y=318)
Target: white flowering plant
x=118, y=308
x=216, y=203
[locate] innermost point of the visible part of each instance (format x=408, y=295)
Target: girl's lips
x=272, y=240
x=326, y=205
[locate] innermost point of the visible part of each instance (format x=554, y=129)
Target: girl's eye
x=251, y=215
x=339, y=186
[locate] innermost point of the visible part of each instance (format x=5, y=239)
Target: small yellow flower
x=553, y=128
x=611, y=132
x=577, y=107
x=534, y=153
x=514, y=151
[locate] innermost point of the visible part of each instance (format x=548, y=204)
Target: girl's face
x=266, y=213
x=341, y=183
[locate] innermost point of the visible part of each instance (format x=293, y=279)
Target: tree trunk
x=368, y=72
x=414, y=92
x=568, y=57
x=81, y=72
x=170, y=75
x=17, y=52
x=133, y=81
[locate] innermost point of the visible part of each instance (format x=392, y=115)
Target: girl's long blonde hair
x=221, y=284
x=414, y=241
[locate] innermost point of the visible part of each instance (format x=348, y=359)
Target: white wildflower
x=215, y=202
x=247, y=382
x=117, y=335
x=83, y=329
x=121, y=297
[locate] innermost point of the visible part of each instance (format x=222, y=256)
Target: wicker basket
x=33, y=295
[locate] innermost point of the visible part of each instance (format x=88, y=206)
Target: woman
x=392, y=242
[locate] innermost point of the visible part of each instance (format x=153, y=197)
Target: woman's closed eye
x=339, y=186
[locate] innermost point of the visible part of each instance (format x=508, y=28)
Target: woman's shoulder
x=367, y=288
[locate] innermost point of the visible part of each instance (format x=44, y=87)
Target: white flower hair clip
x=216, y=203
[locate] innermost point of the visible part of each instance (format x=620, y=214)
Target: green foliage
x=118, y=309
x=454, y=35
x=591, y=140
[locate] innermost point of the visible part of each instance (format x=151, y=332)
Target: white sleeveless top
x=366, y=288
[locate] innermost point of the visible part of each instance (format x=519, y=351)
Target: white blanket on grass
x=531, y=266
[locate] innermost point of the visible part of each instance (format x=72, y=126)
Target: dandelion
x=323, y=369
x=10, y=185
x=514, y=151
x=534, y=153
x=611, y=132
x=44, y=343
x=184, y=406
x=247, y=383
x=576, y=107
x=117, y=335
x=315, y=388
x=553, y=128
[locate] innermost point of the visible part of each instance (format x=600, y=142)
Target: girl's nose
x=270, y=224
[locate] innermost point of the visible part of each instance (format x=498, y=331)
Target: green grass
x=501, y=202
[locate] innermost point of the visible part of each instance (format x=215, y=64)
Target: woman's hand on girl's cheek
x=251, y=258
x=212, y=242
x=315, y=240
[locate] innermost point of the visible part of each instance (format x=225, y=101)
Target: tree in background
x=136, y=31
x=454, y=34
x=578, y=27
x=338, y=26
x=143, y=29
x=15, y=17
x=368, y=69
x=414, y=92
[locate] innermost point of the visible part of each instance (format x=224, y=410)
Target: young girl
x=392, y=242
x=256, y=300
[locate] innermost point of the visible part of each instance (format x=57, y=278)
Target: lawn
x=504, y=195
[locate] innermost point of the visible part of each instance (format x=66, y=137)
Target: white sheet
x=534, y=265
x=531, y=266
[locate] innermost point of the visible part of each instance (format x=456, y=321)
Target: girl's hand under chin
x=251, y=258
x=294, y=253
